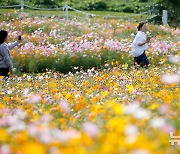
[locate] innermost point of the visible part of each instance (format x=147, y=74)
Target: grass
x=78, y=14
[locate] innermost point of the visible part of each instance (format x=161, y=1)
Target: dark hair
x=3, y=35
x=140, y=25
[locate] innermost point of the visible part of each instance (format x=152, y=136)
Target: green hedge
x=66, y=62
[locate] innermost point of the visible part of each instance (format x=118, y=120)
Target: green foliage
x=105, y=5
x=45, y=2
x=143, y=0
x=9, y=2
x=171, y=4
x=66, y=63
x=128, y=9
x=177, y=124
x=100, y=5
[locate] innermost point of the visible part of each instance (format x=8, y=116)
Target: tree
x=171, y=4
x=44, y=2
x=173, y=7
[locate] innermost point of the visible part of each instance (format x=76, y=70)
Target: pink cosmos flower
x=168, y=128
x=72, y=134
x=35, y=99
x=5, y=149
x=29, y=46
x=164, y=108
x=46, y=118
x=91, y=129
x=65, y=106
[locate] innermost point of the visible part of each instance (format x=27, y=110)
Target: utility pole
x=165, y=17
x=66, y=8
x=22, y=6
x=149, y=7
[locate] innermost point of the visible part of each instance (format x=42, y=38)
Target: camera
x=19, y=37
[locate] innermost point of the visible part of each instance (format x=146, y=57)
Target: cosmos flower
x=170, y=78
x=91, y=129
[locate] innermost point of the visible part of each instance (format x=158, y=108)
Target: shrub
x=99, y=5
x=143, y=0
x=128, y=9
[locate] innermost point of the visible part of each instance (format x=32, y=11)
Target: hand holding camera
x=19, y=38
x=148, y=38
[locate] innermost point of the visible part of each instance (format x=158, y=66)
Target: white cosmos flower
x=174, y=59
x=131, y=130
x=140, y=151
x=157, y=122
x=169, y=79
x=131, y=108
x=137, y=111
x=141, y=113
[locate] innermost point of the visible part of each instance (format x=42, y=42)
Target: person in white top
x=139, y=46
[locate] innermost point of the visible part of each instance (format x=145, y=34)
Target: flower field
x=103, y=105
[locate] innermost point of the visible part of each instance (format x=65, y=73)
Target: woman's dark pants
x=4, y=72
x=142, y=60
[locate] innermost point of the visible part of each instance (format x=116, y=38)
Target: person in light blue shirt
x=6, y=65
x=139, y=46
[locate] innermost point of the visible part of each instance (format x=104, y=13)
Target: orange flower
x=32, y=148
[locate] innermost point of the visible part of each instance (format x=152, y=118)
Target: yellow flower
x=104, y=93
x=24, y=75
x=126, y=65
x=116, y=124
x=53, y=84
x=154, y=106
x=130, y=88
x=82, y=103
x=55, y=91
x=90, y=91
x=86, y=140
x=97, y=87
x=22, y=136
x=85, y=83
x=2, y=106
x=33, y=148
x=62, y=121
x=118, y=109
x=3, y=135
x=6, y=98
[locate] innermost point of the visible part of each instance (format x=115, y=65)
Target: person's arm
x=6, y=57
x=12, y=45
x=143, y=43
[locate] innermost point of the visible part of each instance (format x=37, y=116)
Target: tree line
x=131, y=6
